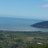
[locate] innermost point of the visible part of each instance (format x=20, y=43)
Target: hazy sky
x=24, y=8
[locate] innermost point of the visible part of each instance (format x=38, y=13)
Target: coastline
x=19, y=31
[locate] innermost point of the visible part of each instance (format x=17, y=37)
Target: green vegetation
x=23, y=39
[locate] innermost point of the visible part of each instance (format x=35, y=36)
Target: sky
x=36, y=9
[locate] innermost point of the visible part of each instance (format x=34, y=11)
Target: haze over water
x=19, y=24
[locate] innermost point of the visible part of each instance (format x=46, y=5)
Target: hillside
x=43, y=24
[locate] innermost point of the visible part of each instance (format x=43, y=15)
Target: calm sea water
x=19, y=24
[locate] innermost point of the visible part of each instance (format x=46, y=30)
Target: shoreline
x=19, y=31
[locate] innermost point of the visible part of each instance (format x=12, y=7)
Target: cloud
x=45, y=6
x=45, y=0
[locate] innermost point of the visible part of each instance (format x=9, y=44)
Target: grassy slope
x=10, y=39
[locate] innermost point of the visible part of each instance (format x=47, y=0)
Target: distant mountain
x=43, y=24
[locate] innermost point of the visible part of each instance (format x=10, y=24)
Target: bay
x=19, y=24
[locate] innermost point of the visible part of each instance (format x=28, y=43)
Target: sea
x=19, y=24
